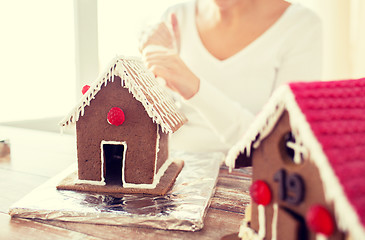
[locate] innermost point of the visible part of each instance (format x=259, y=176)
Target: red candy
x=319, y=220
x=116, y=116
x=260, y=192
x=85, y=89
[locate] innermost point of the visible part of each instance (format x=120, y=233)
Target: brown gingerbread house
x=307, y=151
x=122, y=125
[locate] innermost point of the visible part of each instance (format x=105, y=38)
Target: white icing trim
x=263, y=124
x=274, y=223
x=91, y=182
x=102, y=157
x=157, y=149
x=102, y=181
x=262, y=222
x=299, y=150
x=156, y=179
x=247, y=233
x=346, y=217
x=157, y=175
x=321, y=237
x=137, y=79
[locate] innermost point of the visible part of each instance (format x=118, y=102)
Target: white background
x=37, y=47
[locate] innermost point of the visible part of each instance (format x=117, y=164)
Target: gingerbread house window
x=292, y=151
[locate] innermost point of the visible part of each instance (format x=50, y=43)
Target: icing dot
x=115, y=116
x=319, y=220
x=260, y=192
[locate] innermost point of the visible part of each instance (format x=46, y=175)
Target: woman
x=225, y=58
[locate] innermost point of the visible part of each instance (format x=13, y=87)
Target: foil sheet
x=182, y=208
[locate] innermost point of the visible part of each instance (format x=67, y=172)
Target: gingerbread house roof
x=140, y=82
x=328, y=118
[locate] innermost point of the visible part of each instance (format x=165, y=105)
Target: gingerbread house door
x=290, y=225
x=290, y=192
x=113, y=157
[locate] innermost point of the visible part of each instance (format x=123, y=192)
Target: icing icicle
x=274, y=223
x=321, y=237
x=142, y=84
x=262, y=222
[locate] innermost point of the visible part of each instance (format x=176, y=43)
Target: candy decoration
x=260, y=192
x=319, y=220
x=116, y=116
x=85, y=89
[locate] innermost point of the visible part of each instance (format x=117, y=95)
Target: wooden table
x=37, y=156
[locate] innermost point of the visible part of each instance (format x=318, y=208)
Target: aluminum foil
x=183, y=208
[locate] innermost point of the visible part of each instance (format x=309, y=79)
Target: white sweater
x=234, y=90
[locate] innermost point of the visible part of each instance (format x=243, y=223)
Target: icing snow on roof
x=336, y=113
x=140, y=82
x=329, y=118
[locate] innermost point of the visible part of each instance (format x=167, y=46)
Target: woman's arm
x=168, y=65
x=225, y=116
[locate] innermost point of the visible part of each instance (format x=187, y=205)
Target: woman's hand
x=160, y=46
x=161, y=35
x=169, y=66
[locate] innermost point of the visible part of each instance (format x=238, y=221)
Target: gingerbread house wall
x=267, y=160
x=163, y=149
x=138, y=132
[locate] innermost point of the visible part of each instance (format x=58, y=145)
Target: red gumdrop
x=116, y=116
x=260, y=192
x=320, y=220
x=85, y=89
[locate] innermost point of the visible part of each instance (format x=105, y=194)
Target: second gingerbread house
x=307, y=151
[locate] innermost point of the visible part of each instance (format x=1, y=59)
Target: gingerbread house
x=307, y=151
x=123, y=122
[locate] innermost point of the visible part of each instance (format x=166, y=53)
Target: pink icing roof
x=335, y=112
